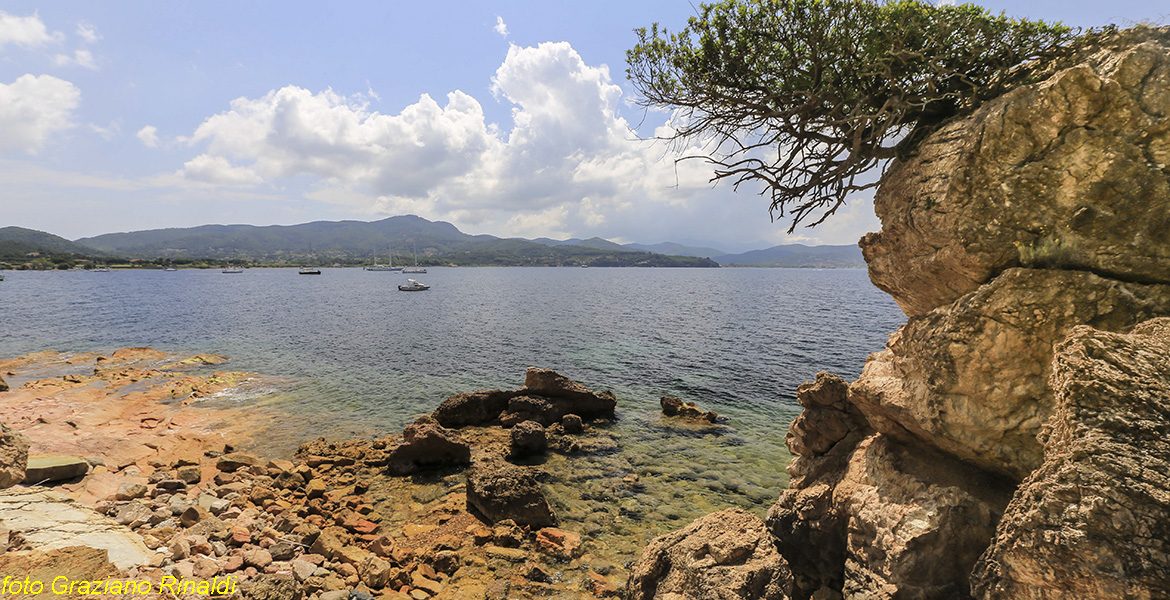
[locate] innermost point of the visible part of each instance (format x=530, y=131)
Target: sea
x=345, y=354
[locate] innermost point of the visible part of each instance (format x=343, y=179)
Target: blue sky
x=508, y=118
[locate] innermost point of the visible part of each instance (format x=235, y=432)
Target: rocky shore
x=454, y=507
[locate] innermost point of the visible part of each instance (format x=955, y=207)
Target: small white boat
x=309, y=271
x=101, y=269
x=233, y=270
x=413, y=286
x=1, y=277
x=170, y=269
x=414, y=270
x=386, y=267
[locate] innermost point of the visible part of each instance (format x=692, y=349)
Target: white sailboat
x=386, y=267
x=415, y=268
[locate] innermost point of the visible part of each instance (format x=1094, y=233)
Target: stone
x=257, y=557
x=675, y=407
x=548, y=396
x=499, y=491
x=315, y=489
x=728, y=554
x=13, y=457
x=375, y=572
x=133, y=515
x=129, y=490
x=280, y=586
x=235, y=461
x=572, y=424
x=971, y=378
x=1065, y=173
x=192, y=515
x=427, y=446
x=527, y=439
x=44, y=468
x=189, y=474
x=1093, y=522
x=3, y=385
x=481, y=407
x=558, y=543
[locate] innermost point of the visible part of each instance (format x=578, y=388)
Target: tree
x=810, y=96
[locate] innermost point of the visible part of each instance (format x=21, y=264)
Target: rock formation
x=1094, y=520
x=1024, y=242
x=502, y=491
x=727, y=554
x=13, y=457
x=547, y=397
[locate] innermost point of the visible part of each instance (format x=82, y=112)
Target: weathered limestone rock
x=916, y=521
x=1093, y=522
x=1067, y=173
x=500, y=491
x=728, y=554
x=971, y=378
x=43, y=468
x=824, y=434
x=3, y=385
x=49, y=520
x=675, y=407
x=427, y=446
x=473, y=408
x=13, y=456
x=567, y=396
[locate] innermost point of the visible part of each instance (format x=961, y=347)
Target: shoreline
x=148, y=444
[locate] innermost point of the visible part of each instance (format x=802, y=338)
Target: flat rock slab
x=53, y=467
x=49, y=520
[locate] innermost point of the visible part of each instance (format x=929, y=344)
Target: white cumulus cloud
x=32, y=108
x=148, y=136
x=568, y=164
x=501, y=27
x=28, y=32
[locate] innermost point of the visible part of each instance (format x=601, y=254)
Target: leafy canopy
x=808, y=96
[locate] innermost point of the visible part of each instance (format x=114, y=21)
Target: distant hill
x=679, y=249
x=797, y=256
x=355, y=242
x=18, y=243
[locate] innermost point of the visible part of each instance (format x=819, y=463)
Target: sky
x=512, y=118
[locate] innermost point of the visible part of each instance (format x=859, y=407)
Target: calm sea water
x=356, y=357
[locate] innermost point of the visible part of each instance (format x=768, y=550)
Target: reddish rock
x=499, y=491
x=558, y=543
x=427, y=446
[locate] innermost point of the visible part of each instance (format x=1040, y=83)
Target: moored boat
x=309, y=271
x=413, y=286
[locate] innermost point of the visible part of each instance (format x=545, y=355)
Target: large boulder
x=499, y=491
x=473, y=408
x=567, y=396
x=971, y=378
x=1067, y=173
x=3, y=385
x=728, y=554
x=13, y=456
x=1093, y=522
x=427, y=445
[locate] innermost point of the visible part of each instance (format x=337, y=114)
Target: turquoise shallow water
x=351, y=356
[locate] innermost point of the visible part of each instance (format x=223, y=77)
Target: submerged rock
x=728, y=554
x=1093, y=522
x=675, y=407
x=502, y=491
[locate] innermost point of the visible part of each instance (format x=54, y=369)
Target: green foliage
x=808, y=96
